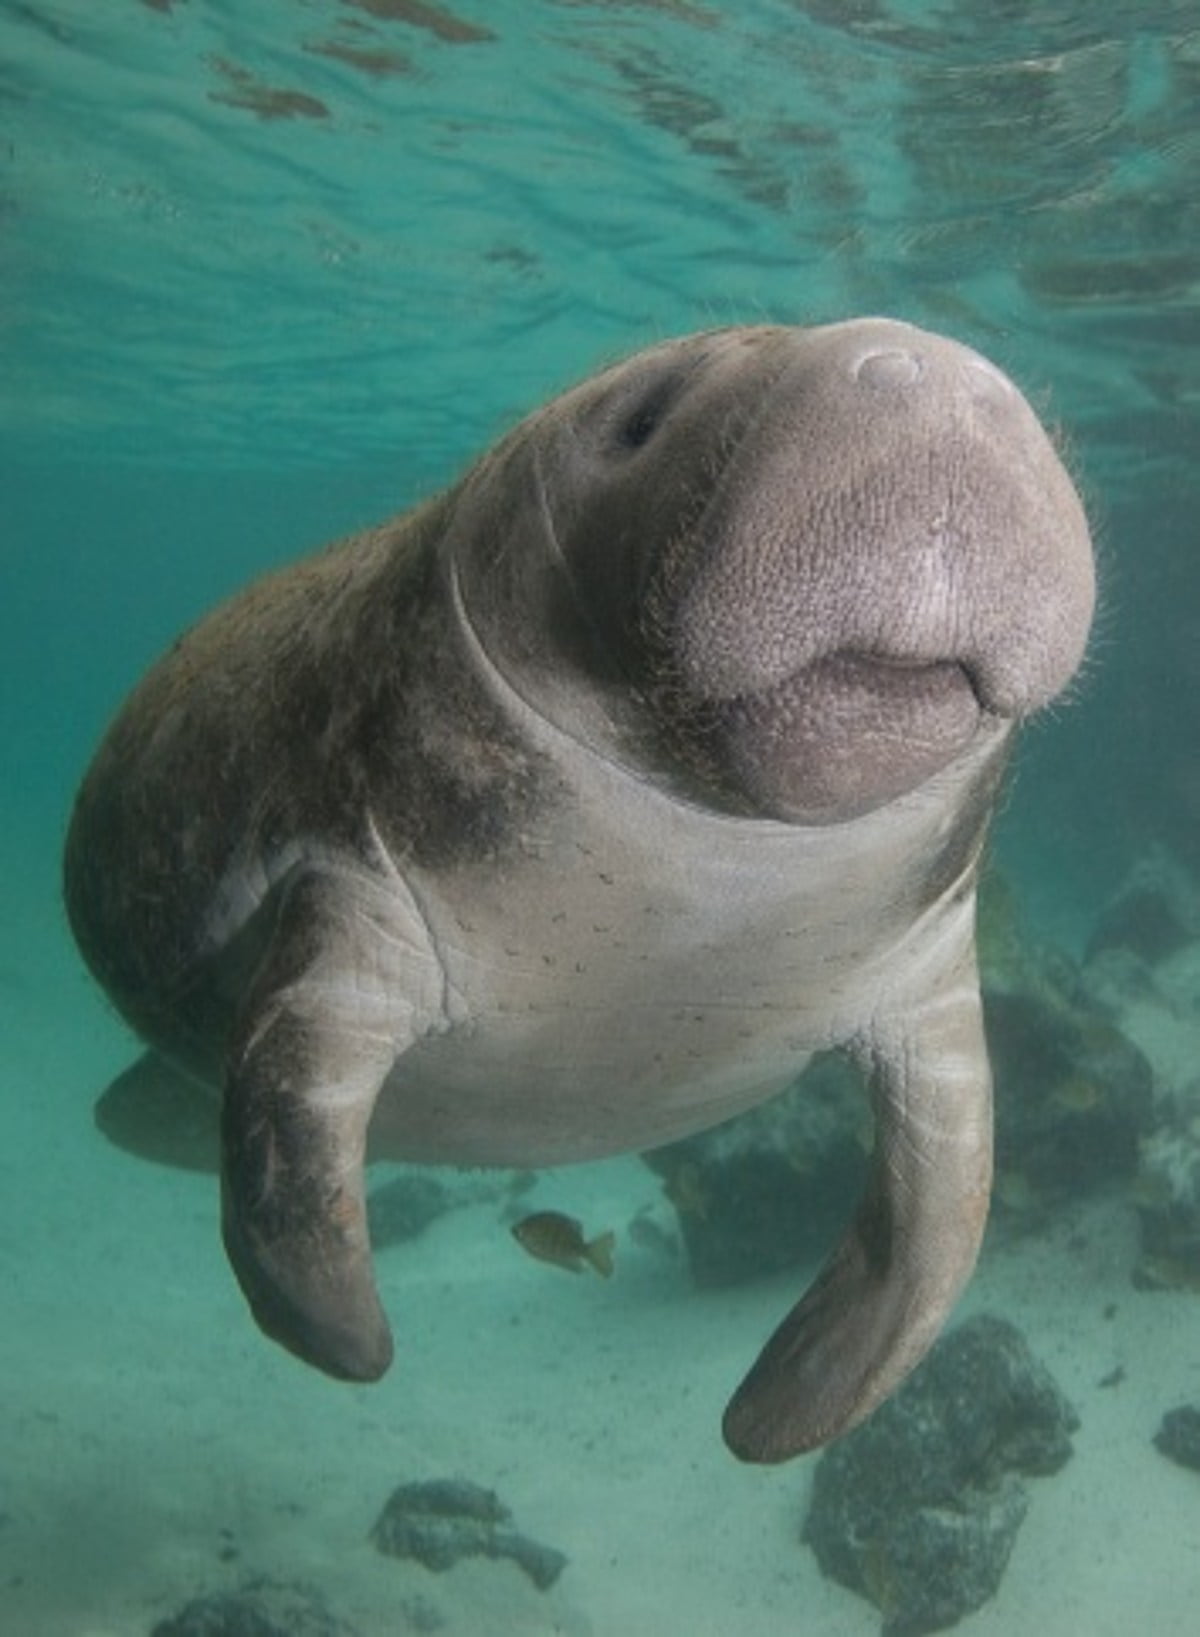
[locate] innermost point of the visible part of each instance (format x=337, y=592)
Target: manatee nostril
x=887, y=367
x=986, y=381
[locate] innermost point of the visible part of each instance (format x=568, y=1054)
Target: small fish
x=553, y=1237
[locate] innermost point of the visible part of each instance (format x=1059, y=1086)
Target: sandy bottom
x=156, y=1447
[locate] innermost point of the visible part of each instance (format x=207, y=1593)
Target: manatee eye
x=641, y=423
x=638, y=428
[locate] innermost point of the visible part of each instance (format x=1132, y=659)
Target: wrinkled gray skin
x=571, y=812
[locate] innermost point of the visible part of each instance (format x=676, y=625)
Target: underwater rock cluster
x=444, y=1519
x=1178, y=1438
x=262, y=1608
x=1167, y=1197
x=1143, y=969
x=402, y=1208
x=760, y=1193
x=1073, y=1094
x=917, y=1509
x=435, y=1523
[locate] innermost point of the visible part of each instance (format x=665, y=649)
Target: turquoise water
x=270, y=273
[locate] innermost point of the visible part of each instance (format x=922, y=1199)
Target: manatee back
x=264, y=736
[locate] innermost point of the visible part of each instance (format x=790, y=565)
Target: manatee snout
x=893, y=551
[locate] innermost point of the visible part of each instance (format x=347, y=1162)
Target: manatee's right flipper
x=330, y=1008
x=882, y=1298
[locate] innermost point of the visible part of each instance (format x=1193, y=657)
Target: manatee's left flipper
x=882, y=1298
x=335, y=1000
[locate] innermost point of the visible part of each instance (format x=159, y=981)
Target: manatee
x=572, y=811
